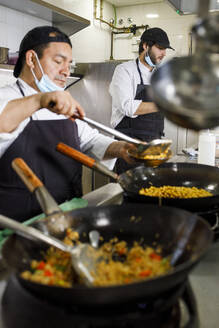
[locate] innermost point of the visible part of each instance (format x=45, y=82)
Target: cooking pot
x=183, y=235
x=3, y=55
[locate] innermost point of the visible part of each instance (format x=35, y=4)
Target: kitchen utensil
x=83, y=258
x=148, y=160
x=94, y=238
x=168, y=227
x=154, y=147
x=3, y=55
x=186, y=88
x=173, y=174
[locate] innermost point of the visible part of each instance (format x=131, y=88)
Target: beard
x=152, y=56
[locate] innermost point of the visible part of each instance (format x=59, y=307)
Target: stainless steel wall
x=92, y=92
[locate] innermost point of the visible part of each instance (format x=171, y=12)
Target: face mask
x=45, y=84
x=148, y=61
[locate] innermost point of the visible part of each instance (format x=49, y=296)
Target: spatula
x=83, y=255
x=82, y=261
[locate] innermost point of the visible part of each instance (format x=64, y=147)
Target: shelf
x=66, y=21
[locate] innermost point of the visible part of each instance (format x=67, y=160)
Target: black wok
x=180, y=233
x=173, y=174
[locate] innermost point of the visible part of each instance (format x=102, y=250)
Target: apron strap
x=137, y=63
x=22, y=92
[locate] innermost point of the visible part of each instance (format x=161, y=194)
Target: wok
x=183, y=235
x=173, y=174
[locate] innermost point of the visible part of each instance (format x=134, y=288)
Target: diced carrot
x=145, y=273
x=41, y=265
x=48, y=273
x=138, y=259
x=122, y=251
x=155, y=256
x=127, y=280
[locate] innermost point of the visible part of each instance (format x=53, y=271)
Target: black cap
x=158, y=36
x=37, y=36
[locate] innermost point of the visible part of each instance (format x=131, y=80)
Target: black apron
x=145, y=127
x=36, y=145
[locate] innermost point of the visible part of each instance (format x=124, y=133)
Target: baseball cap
x=35, y=37
x=158, y=36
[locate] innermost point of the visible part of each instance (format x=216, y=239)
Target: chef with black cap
x=133, y=110
x=34, y=114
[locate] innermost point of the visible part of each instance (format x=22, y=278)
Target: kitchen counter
x=204, y=278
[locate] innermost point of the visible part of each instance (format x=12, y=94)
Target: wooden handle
x=26, y=174
x=75, y=154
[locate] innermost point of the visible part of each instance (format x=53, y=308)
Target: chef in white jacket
x=34, y=114
x=133, y=110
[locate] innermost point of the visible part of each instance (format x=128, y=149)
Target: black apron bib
x=145, y=127
x=36, y=145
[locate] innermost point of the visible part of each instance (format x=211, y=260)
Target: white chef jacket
x=91, y=141
x=123, y=89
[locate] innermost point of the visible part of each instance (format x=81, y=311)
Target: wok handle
x=26, y=174
x=35, y=185
x=85, y=160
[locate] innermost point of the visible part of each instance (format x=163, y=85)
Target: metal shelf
x=66, y=21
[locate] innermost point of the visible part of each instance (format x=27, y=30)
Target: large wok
x=183, y=235
x=173, y=174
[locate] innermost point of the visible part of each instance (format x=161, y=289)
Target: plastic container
x=206, y=148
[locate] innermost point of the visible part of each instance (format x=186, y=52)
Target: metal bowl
x=152, y=160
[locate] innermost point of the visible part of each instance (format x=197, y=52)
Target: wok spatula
x=81, y=261
x=83, y=255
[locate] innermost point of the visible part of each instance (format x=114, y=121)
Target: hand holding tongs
x=154, y=147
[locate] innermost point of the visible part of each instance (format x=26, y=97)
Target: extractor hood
x=64, y=20
x=184, y=7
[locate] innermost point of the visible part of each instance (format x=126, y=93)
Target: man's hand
x=61, y=102
x=120, y=149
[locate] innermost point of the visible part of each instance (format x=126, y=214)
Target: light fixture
x=152, y=15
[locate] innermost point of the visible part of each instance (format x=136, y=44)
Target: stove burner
x=27, y=310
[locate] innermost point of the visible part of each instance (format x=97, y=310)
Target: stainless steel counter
x=204, y=279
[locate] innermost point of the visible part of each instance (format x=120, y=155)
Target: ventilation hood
x=185, y=7
x=64, y=20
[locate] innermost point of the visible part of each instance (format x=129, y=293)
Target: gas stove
x=28, y=310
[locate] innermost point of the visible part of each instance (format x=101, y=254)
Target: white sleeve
x=93, y=143
x=123, y=89
x=6, y=139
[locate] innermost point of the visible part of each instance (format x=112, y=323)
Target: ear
x=30, y=58
x=145, y=46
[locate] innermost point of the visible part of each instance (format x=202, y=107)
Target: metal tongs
x=154, y=147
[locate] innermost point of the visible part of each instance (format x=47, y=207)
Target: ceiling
x=122, y=3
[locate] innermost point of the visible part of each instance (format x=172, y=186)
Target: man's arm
x=119, y=149
x=17, y=110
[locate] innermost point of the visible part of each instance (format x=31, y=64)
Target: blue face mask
x=148, y=61
x=45, y=84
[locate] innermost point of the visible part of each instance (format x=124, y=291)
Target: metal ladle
x=186, y=89
x=154, y=147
